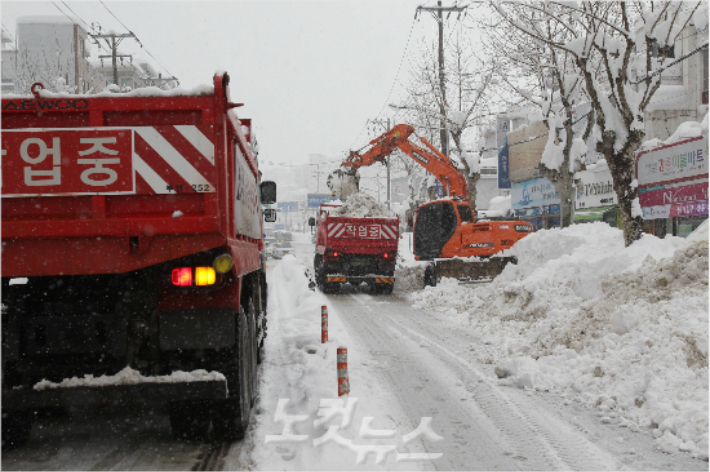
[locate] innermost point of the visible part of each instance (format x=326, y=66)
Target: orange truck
x=132, y=238
x=445, y=230
x=355, y=250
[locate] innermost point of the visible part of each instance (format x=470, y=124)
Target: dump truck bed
x=358, y=235
x=93, y=183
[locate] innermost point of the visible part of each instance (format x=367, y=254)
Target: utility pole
x=438, y=14
x=317, y=173
x=387, y=161
x=112, y=41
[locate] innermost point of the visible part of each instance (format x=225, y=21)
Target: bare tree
x=609, y=40
x=469, y=78
x=546, y=77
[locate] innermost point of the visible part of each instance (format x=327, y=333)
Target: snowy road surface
x=431, y=371
x=409, y=374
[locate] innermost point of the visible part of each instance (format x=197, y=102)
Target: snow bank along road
x=431, y=371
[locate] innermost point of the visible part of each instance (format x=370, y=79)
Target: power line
x=74, y=13
x=680, y=59
x=107, y=9
x=73, y=19
x=396, y=77
x=139, y=42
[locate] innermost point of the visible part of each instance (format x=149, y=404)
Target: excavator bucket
x=343, y=183
x=482, y=271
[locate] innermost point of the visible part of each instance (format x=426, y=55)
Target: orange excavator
x=445, y=230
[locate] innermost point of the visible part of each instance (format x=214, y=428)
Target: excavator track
x=466, y=271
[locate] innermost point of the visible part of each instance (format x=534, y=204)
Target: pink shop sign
x=677, y=162
x=696, y=192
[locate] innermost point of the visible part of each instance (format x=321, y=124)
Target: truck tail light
x=331, y=255
x=182, y=277
x=204, y=276
x=388, y=257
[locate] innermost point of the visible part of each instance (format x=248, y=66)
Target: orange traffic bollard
x=343, y=380
x=324, y=324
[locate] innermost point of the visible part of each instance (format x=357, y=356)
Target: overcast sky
x=311, y=73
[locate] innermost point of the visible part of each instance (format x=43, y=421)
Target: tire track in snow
x=561, y=443
x=468, y=443
x=526, y=439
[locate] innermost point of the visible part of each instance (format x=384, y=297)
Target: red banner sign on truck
x=61, y=162
x=141, y=160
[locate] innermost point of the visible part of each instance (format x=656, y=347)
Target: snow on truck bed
x=362, y=205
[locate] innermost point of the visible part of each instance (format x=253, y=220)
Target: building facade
x=673, y=177
x=52, y=50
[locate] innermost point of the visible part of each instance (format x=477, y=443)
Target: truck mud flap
x=25, y=399
x=466, y=271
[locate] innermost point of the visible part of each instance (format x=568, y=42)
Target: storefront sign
x=671, y=211
x=504, y=167
x=594, y=189
x=674, y=163
x=533, y=193
x=697, y=192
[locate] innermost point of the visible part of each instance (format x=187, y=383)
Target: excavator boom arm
x=427, y=156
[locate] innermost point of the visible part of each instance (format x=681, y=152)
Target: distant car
x=281, y=249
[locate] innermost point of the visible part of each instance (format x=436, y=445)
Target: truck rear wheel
x=189, y=420
x=330, y=287
x=384, y=289
x=230, y=417
x=430, y=276
x=16, y=427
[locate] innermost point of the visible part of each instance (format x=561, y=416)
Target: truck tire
x=430, y=276
x=16, y=427
x=261, y=318
x=230, y=417
x=189, y=420
x=330, y=287
x=384, y=289
x=253, y=350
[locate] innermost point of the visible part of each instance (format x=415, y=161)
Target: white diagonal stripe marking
x=199, y=140
x=172, y=156
x=154, y=180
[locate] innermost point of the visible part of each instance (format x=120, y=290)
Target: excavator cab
x=435, y=225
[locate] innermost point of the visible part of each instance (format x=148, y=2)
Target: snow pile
x=622, y=329
x=501, y=204
x=200, y=90
x=129, y=376
x=343, y=184
x=361, y=205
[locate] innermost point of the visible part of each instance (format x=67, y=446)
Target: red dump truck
x=131, y=239
x=355, y=250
